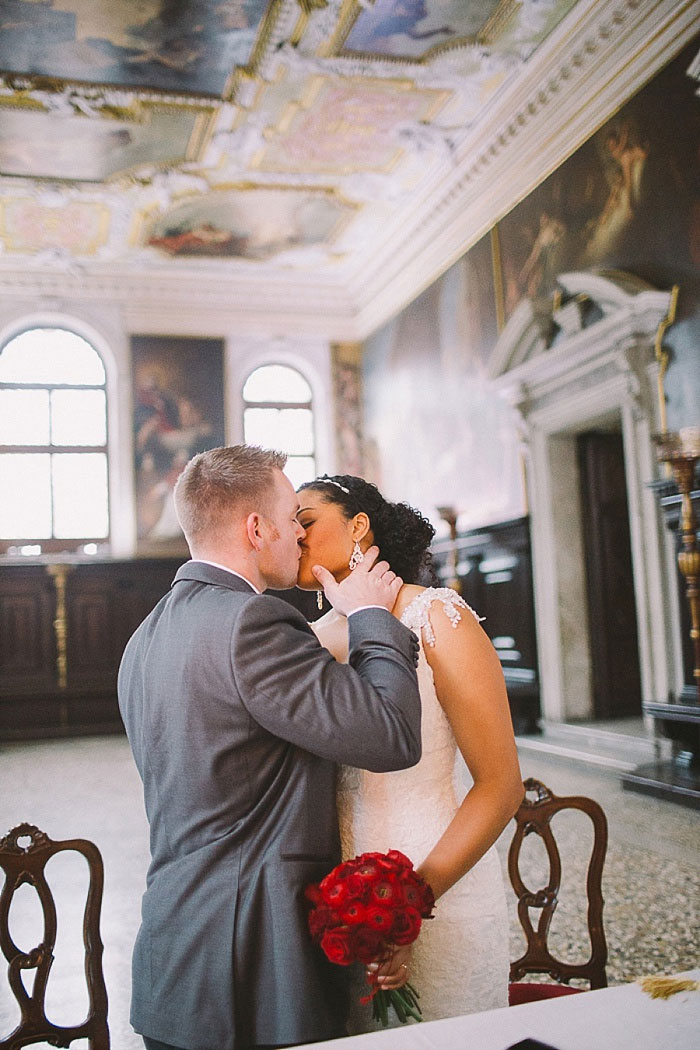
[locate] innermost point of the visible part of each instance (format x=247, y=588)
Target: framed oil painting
x=411, y=29
x=178, y=410
x=250, y=222
x=628, y=196
x=190, y=47
x=84, y=149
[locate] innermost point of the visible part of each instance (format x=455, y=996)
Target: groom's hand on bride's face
x=371, y=583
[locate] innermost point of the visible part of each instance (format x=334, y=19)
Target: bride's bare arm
x=470, y=687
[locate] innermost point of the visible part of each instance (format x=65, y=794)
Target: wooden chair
x=24, y=862
x=534, y=816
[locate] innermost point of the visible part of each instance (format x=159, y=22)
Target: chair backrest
x=534, y=816
x=24, y=863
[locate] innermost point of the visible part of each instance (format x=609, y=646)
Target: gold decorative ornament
x=681, y=450
x=60, y=571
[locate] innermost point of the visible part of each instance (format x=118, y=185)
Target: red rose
x=334, y=893
x=320, y=919
x=337, y=944
x=367, y=868
x=385, y=892
x=412, y=895
x=341, y=871
x=354, y=912
x=406, y=927
x=379, y=919
x=400, y=858
x=367, y=944
x=428, y=900
x=312, y=893
x=358, y=887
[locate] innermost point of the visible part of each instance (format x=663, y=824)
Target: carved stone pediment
x=581, y=361
x=591, y=315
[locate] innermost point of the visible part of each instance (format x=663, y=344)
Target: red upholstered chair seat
x=528, y=992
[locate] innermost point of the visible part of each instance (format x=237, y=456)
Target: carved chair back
x=534, y=817
x=23, y=862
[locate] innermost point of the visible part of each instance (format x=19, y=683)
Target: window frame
x=281, y=405
x=54, y=545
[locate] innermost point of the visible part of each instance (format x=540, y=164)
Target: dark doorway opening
x=612, y=614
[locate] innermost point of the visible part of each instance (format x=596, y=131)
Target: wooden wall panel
x=27, y=648
x=494, y=568
x=105, y=602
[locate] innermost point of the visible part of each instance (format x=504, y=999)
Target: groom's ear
x=253, y=526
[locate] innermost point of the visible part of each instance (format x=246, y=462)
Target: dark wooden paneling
x=27, y=649
x=494, y=567
x=105, y=603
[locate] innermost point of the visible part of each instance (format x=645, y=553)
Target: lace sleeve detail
x=416, y=615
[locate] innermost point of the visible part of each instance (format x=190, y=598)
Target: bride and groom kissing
x=244, y=722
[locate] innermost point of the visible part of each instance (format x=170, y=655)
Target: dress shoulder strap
x=416, y=615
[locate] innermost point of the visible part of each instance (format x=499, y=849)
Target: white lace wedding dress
x=460, y=960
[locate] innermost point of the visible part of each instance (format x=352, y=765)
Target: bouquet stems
x=404, y=1000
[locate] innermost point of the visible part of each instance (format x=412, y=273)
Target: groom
x=236, y=717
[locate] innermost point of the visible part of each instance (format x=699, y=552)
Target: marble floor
x=88, y=788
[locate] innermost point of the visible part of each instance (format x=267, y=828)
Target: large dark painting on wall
x=178, y=411
x=628, y=199
x=192, y=46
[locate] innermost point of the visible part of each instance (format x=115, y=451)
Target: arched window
x=53, y=443
x=278, y=413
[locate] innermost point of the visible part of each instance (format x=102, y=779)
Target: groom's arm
x=366, y=713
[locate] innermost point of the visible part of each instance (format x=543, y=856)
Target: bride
x=447, y=811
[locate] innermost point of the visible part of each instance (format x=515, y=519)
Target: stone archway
x=566, y=366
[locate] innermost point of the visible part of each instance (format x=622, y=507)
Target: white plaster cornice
x=599, y=56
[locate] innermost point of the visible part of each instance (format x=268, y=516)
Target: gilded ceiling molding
x=91, y=100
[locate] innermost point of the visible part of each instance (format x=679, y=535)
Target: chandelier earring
x=356, y=557
x=319, y=600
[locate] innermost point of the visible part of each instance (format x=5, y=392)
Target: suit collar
x=204, y=572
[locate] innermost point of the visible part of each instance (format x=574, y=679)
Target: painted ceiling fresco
x=235, y=132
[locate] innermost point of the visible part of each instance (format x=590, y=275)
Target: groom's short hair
x=222, y=481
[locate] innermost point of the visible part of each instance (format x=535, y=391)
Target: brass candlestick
x=681, y=450
x=449, y=515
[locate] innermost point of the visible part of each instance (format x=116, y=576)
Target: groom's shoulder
x=269, y=608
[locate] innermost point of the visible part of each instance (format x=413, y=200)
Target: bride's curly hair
x=402, y=533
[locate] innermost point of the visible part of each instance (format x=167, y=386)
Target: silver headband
x=329, y=481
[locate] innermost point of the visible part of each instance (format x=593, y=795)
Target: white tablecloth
x=619, y=1018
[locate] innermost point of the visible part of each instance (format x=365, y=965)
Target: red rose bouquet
x=362, y=910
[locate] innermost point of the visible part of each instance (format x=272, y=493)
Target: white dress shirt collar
x=205, y=561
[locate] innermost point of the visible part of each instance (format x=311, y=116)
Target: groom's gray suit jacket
x=236, y=717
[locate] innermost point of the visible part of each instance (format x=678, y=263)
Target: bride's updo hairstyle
x=402, y=533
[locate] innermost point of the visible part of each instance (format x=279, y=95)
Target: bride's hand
x=394, y=971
